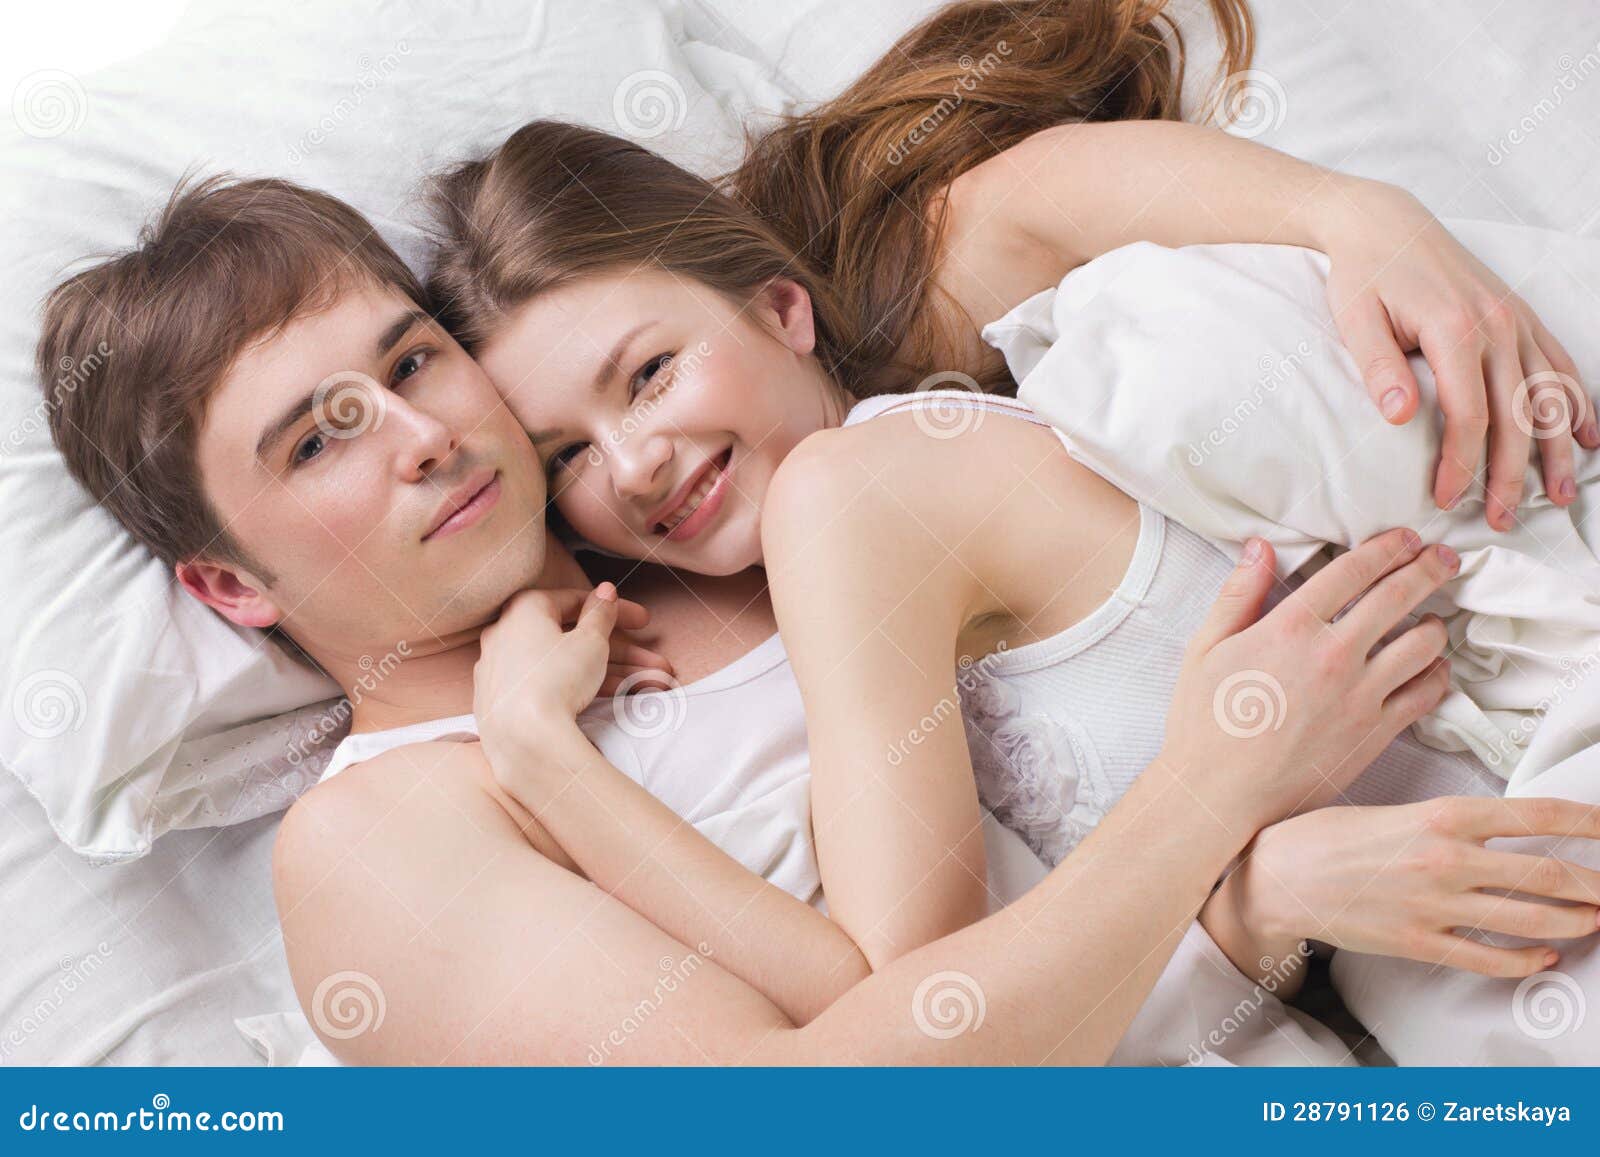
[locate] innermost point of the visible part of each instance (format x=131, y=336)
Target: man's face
x=366, y=462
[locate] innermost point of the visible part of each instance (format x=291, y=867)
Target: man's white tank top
x=1058, y=729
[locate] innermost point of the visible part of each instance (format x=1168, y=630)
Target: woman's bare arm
x=636, y=848
x=1399, y=281
x=882, y=543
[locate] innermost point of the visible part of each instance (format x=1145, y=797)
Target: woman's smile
x=697, y=502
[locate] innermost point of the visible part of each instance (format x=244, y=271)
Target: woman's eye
x=651, y=370
x=567, y=455
x=307, y=449
x=411, y=364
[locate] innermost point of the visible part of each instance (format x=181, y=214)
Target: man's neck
x=430, y=678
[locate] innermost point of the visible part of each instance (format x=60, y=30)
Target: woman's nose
x=636, y=464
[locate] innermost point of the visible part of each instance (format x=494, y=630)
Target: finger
x=1411, y=654
x=1396, y=595
x=1333, y=587
x=1585, y=420
x=1464, y=399
x=1238, y=604
x=1416, y=697
x=599, y=614
x=565, y=604
x=1531, y=816
x=1548, y=876
x=1524, y=918
x=1555, y=408
x=1475, y=956
x=1369, y=335
x=641, y=678
x=1510, y=435
x=623, y=651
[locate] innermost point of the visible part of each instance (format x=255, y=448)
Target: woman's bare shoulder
x=924, y=481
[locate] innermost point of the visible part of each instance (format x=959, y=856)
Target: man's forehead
x=339, y=336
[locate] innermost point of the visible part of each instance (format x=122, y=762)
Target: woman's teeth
x=696, y=496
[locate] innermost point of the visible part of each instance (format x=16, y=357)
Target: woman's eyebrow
x=613, y=362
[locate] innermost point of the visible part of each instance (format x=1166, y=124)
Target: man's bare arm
x=406, y=870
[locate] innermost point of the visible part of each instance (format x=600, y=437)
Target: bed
x=1484, y=109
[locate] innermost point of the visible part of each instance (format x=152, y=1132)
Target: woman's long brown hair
x=843, y=199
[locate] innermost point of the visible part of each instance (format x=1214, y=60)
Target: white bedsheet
x=1416, y=93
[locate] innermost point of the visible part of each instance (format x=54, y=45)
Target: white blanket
x=1210, y=382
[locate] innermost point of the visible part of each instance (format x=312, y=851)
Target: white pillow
x=128, y=707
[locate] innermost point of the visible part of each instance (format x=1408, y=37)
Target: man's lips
x=466, y=505
x=704, y=502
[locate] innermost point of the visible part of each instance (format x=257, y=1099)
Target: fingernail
x=1551, y=958
x=1591, y=431
x=1569, y=489
x=605, y=591
x=1449, y=557
x=1252, y=552
x=1413, y=541
x=1393, y=402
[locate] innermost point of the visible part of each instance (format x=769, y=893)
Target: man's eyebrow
x=287, y=420
x=398, y=329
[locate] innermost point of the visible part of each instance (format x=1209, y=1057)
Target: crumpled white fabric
x=1211, y=382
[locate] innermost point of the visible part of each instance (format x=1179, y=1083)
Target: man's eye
x=308, y=448
x=411, y=364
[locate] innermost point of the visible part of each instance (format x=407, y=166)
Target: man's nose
x=421, y=440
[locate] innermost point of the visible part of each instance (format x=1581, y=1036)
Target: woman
x=522, y=275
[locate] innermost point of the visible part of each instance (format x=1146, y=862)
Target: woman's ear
x=235, y=595
x=787, y=306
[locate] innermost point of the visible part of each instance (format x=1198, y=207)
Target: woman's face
x=660, y=410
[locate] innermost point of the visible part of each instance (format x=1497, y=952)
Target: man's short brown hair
x=227, y=263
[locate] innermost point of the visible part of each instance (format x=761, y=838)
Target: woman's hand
x=1280, y=715
x=1400, y=880
x=1398, y=281
x=533, y=671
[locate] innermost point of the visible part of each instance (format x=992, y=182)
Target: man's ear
x=235, y=595
x=786, y=307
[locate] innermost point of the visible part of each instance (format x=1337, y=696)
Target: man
x=288, y=428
